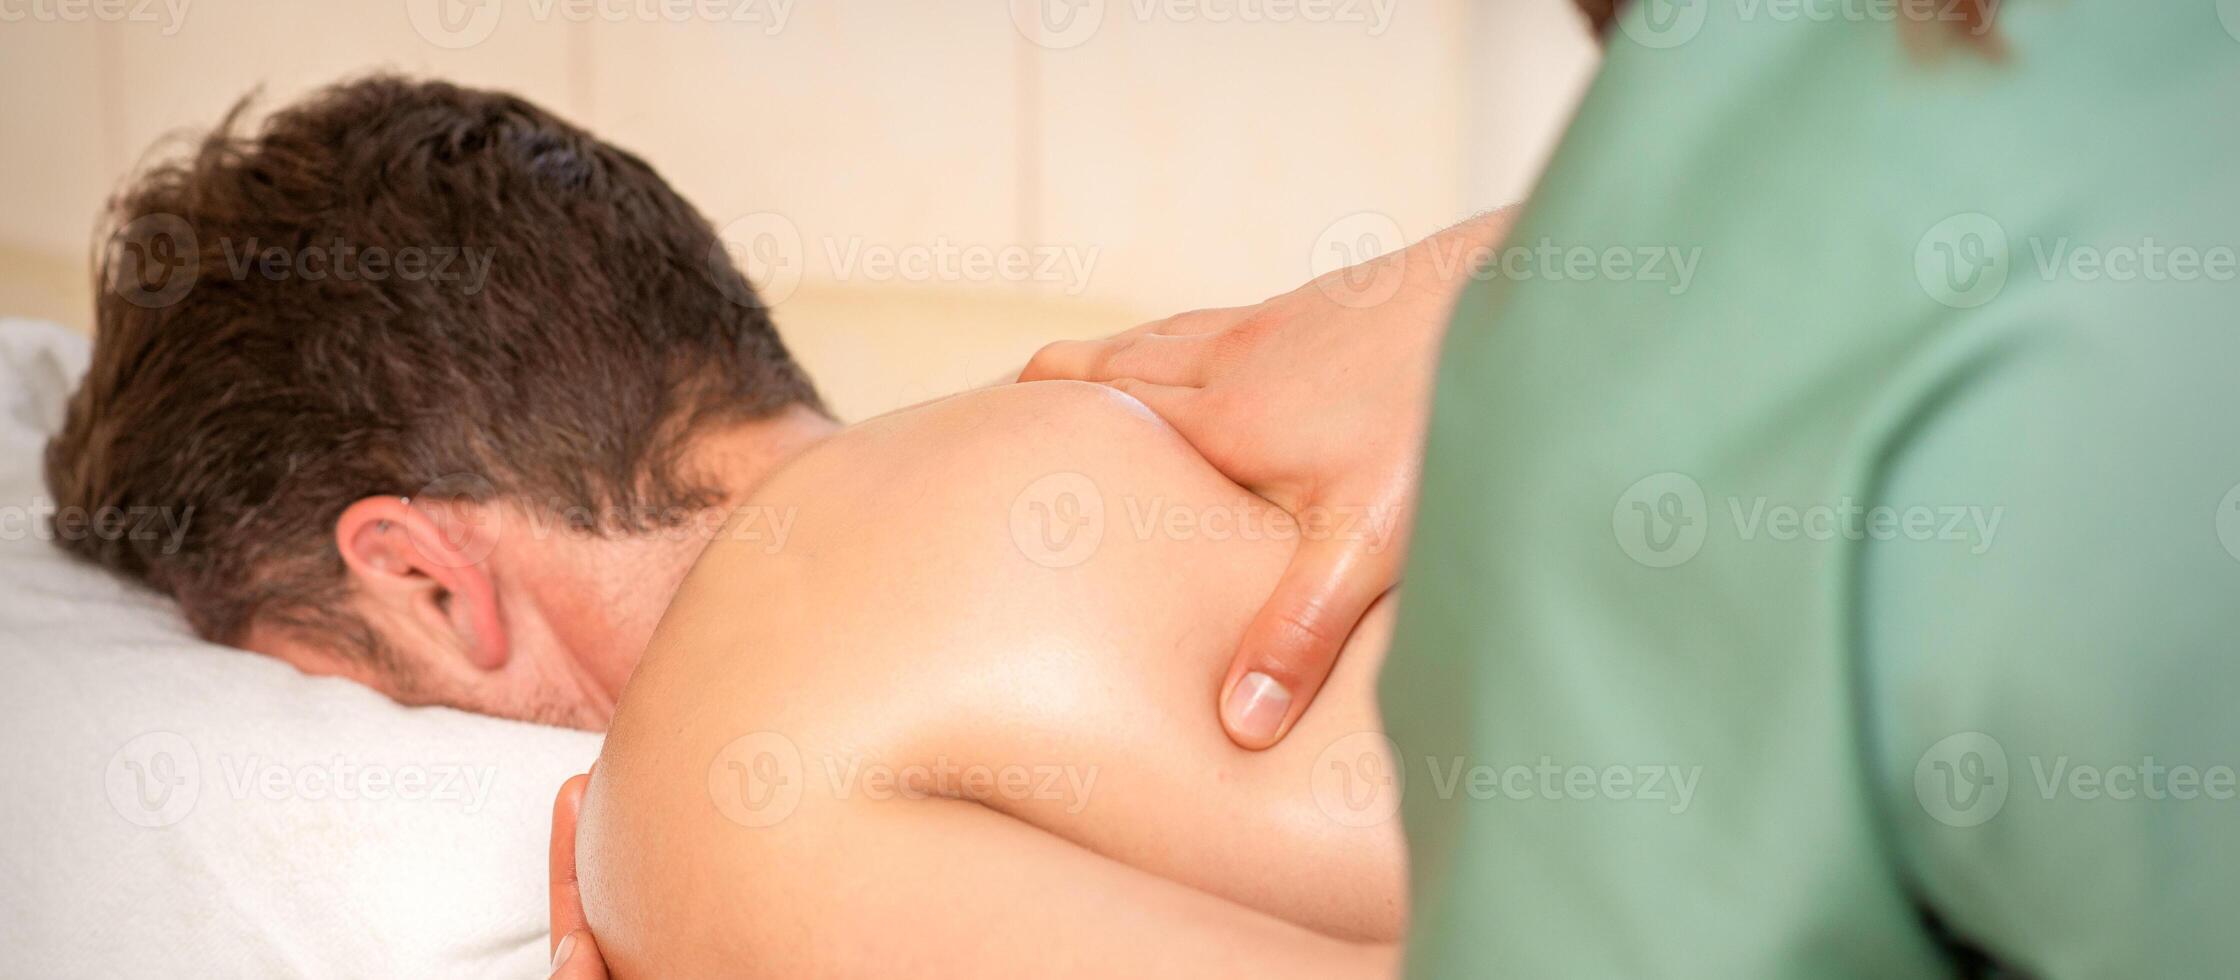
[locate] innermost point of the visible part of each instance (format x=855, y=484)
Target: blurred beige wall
x=928, y=190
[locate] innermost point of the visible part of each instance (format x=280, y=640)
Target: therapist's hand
x=574, y=955
x=1317, y=400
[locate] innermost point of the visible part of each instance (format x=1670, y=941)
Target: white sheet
x=178, y=809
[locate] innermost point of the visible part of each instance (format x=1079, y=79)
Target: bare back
x=942, y=701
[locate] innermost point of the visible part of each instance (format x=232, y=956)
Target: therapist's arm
x=2051, y=710
x=1316, y=400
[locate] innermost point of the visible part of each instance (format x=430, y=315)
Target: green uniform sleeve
x=2052, y=719
x=1829, y=510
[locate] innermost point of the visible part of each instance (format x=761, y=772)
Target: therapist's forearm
x=1447, y=261
x=1487, y=229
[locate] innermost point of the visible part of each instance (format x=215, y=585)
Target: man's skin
x=914, y=618
x=507, y=610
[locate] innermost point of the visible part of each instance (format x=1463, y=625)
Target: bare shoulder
x=1038, y=583
x=1011, y=430
x=982, y=530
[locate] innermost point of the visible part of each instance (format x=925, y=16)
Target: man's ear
x=430, y=567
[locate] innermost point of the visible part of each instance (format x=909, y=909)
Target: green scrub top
x=1829, y=555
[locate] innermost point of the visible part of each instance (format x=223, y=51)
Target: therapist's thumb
x=1295, y=639
x=575, y=955
x=577, y=958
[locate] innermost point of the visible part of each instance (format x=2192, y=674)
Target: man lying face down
x=997, y=622
x=448, y=393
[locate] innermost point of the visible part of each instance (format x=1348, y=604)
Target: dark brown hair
x=1969, y=18
x=247, y=385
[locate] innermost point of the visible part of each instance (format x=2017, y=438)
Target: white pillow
x=179, y=809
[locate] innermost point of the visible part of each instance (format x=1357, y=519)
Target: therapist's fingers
x=1213, y=320
x=1158, y=358
x=566, y=901
x=1175, y=403
x=575, y=955
x=1295, y=639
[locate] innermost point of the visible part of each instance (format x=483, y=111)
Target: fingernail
x=1256, y=707
x=561, y=952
